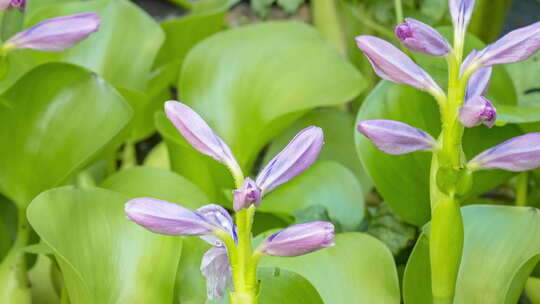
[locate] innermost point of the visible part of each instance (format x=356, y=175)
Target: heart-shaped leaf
x=103, y=256
x=502, y=246
x=358, y=269
x=58, y=117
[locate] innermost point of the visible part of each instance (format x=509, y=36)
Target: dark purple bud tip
x=299, y=239
x=420, y=37
x=478, y=110
x=394, y=137
x=249, y=194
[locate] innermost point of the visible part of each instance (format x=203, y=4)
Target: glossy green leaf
x=358, y=269
x=338, y=127
x=158, y=157
x=403, y=180
x=66, y=118
x=252, y=82
x=104, y=257
x=190, y=283
x=525, y=76
x=502, y=246
x=327, y=184
x=115, y=52
x=156, y=183
x=285, y=287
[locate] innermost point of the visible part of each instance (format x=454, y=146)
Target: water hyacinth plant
x=252, y=189
x=463, y=105
x=232, y=259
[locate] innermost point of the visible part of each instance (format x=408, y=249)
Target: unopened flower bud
x=420, y=37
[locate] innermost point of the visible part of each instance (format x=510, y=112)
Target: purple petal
x=294, y=159
x=420, y=37
x=477, y=110
x=461, y=12
x=20, y=4
x=217, y=216
x=515, y=46
x=520, y=153
x=394, y=137
x=4, y=4
x=299, y=239
x=166, y=218
x=216, y=268
x=56, y=34
x=197, y=132
x=392, y=64
x=247, y=195
x=478, y=83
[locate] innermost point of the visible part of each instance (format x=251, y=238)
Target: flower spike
x=56, y=34
x=520, y=153
x=394, y=137
x=420, y=37
x=299, y=239
x=294, y=159
x=197, y=132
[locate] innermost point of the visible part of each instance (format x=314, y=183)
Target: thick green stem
x=399, y=11
x=14, y=282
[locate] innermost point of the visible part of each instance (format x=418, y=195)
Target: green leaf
x=115, y=52
x=252, y=82
x=502, y=246
x=326, y=184
x=190, y=286
x=65, y=119
x=290, y=6
x=283, y=286
x=403, y=180
x=525, y=77
x=104, y=257
x=158, y=157
x=338, y=127
x=358, y=269
x=156, y=183
x=262, y=7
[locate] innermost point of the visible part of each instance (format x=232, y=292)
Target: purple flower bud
x=515, y=46
x=216, y=268
x=56, y=34
x=420, y=37
x=520, y=153
x=392, y=64
x=299, y=239
x=461, y=12
x=478, y=83
x=247, y=195
x=7, y=4
x=477, y=110
x=197, y=132
x=217, y=216
x=294, y=159
x=167, y=218
x=394, y=137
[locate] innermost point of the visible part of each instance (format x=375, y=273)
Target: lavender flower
x=392, y=64
x=520, y=153
x=167, y=218
x=420, y=37
x=249, y=194
x=294, y=159
x=56, y=34
x=197, y=132
x=461, y=12
x=208, y=221
x=216, y=269
x=299, y=239
x=476, y=111
x=515, y=46
x=394, y=137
